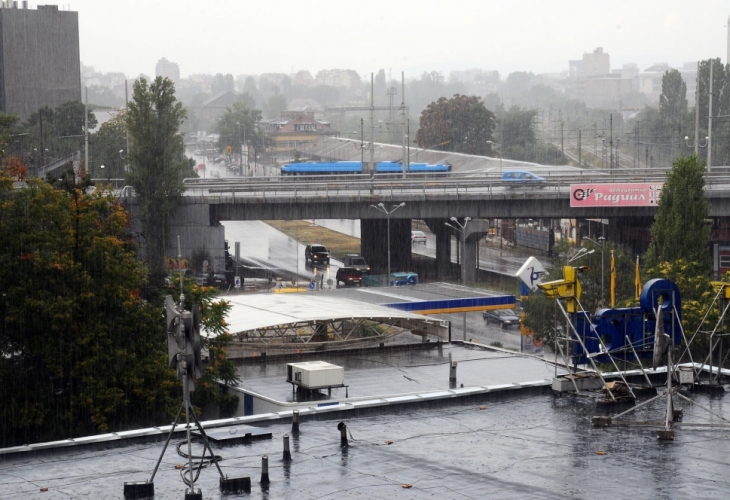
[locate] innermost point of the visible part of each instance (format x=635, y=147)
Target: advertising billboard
x=629, y=194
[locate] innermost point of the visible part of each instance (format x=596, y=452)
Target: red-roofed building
x=285, y=134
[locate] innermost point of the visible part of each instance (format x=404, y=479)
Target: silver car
x=418, y=237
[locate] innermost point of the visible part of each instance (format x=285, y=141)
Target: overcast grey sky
x=252, y=37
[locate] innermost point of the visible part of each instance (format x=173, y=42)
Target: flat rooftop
x=518, y=447
x=372, y=374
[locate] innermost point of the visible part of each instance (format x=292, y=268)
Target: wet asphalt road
x=502, y=261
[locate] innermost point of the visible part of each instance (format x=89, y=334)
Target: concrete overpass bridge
x=435, y=201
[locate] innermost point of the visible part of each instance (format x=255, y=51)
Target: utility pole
x=610, y=144
x=86, y=130
x=43, y=149
x=709, y=126
x=405, y=165
x=562, y=149
x=697, y=110
x=579, y=150
x=636, y=140
x=371, y=167
x=126, y=130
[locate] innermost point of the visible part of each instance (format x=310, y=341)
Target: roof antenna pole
x=406, y=166
x=179, y=266
x=372, y=126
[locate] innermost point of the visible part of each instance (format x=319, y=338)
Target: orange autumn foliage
x=15, y=168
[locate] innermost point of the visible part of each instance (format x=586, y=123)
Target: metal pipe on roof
x=287, y=453
x=295, y=422
x=265, y=470
x=343, y=433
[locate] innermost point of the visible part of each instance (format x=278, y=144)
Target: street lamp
x=462, y=230
x=382, y=208
x=697, y=143
x=242, y=144
x=602, y=244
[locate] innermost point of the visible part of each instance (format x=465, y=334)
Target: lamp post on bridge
x=382, y=208
x=462, y=230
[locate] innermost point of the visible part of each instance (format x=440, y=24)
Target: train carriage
x=355, y=167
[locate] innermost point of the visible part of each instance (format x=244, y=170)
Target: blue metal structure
x=355, y=167
x=624, y=328
x=446, y=306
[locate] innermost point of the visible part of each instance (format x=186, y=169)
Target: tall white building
x=168, y=69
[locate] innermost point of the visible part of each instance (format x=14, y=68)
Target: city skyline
x=506, y=36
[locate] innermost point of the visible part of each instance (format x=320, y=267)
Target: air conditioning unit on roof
x=315, y=375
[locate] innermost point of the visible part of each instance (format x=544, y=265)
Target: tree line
x=82, y=340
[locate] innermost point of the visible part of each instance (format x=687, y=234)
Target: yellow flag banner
x=637, y=280
x=613, y=280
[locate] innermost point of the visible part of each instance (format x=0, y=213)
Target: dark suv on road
x=505, y=317
x=317, y=254
x=218, y=280
x=348, y=276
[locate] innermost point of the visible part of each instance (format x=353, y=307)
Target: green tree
x=673, y=99
x=237, y=126
x=105, y=146
x=81, y=351
x=461, y=124
x=275, y=105
x=55, y=133
x=157, y=164
x=222, y=83
x=679, y=231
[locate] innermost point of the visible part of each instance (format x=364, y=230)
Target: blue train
x=355, y=167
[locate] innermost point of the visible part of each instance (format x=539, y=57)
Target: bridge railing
x=467, y=183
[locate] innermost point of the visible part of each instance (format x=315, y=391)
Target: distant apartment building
x=595, y=83
x=168, y=69
x=304, y=78
x=477, y=81
x=39, y=58
x=338, y=77
x=596, y=63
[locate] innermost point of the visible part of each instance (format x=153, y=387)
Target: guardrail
x=456, y=184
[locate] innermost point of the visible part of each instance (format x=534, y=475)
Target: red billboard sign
x=630, y=194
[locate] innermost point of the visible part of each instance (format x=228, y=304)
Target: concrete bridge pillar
x=374, y=244
x=475, y=231
x=443, y=244
x=470, y=258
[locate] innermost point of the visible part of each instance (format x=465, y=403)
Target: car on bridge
x=317, y=254
x=518, y=178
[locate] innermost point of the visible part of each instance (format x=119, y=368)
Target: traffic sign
x=237, y=281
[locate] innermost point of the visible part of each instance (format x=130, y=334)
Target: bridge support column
x=443, y=245
x=470, y=259
x=374, y=244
